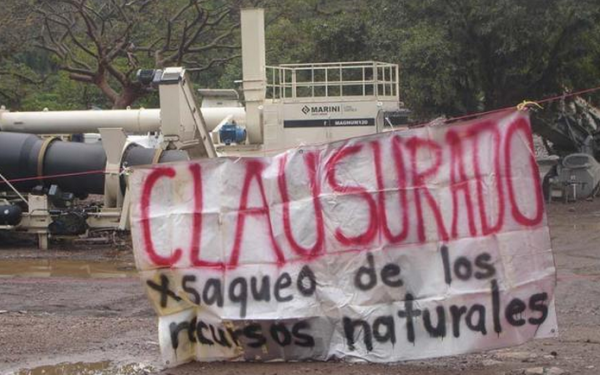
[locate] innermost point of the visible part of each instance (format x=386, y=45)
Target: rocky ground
x=79, y=309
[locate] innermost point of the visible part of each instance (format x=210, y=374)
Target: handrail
x=326, y=80
x=331, y=83
x=336, y=63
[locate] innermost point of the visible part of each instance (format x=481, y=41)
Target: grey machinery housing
x=570, y=129
x=579, y=174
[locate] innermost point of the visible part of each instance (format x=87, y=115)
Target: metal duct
x=254, y=70
x=134, y=121
x=137, y=121
x=25, y=156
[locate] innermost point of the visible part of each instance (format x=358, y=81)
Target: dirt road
x=80, y=309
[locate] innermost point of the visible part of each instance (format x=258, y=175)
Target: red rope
x=467, y=116
x=563, y=96
x=546, y=100
x=84, y=173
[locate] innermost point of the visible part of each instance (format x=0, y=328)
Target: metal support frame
x=37, y=219
x=13, y=189
x=113, y=142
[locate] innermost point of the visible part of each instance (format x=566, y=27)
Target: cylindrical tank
x=10, y=214
x=138, y=121
x=72, y=122
x=76, y=167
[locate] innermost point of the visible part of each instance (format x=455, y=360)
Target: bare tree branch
x=81, y=78
x=213, y=63
x=23, y=77
x=95, y=44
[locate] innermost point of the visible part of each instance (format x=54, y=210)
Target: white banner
x=403, y=245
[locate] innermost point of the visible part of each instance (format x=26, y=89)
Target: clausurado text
x=401, y=245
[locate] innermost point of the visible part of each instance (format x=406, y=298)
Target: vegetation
x=456, y=56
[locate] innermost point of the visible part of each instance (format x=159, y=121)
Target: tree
x=14, y=19
x=462, y=56
x=455, y=56
x=15, y=77
x=310, y=31
x=104, y=42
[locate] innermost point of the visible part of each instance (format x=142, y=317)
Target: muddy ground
x=79, y=309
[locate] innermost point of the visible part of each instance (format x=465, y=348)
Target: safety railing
x=330, y=80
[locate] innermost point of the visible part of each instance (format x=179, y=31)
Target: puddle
x=82, y=368
x=64, y=268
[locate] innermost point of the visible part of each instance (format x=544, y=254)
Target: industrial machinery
x=44, y=182
x=571, y=130
x=47, y=179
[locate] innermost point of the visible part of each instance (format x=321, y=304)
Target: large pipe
x=214, y=116
x=26, y=156
x=72, y=122
x=136, y=121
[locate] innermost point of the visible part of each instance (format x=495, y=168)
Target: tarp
x=402, y=245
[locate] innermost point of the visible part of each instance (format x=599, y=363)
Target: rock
x=515, y=355
x=491, y=362
x=556, y=371
x=544, y=371
x=534, y=371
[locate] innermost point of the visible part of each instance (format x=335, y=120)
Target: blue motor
x=232, y=133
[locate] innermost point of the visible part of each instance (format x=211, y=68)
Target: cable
x=84, y=173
